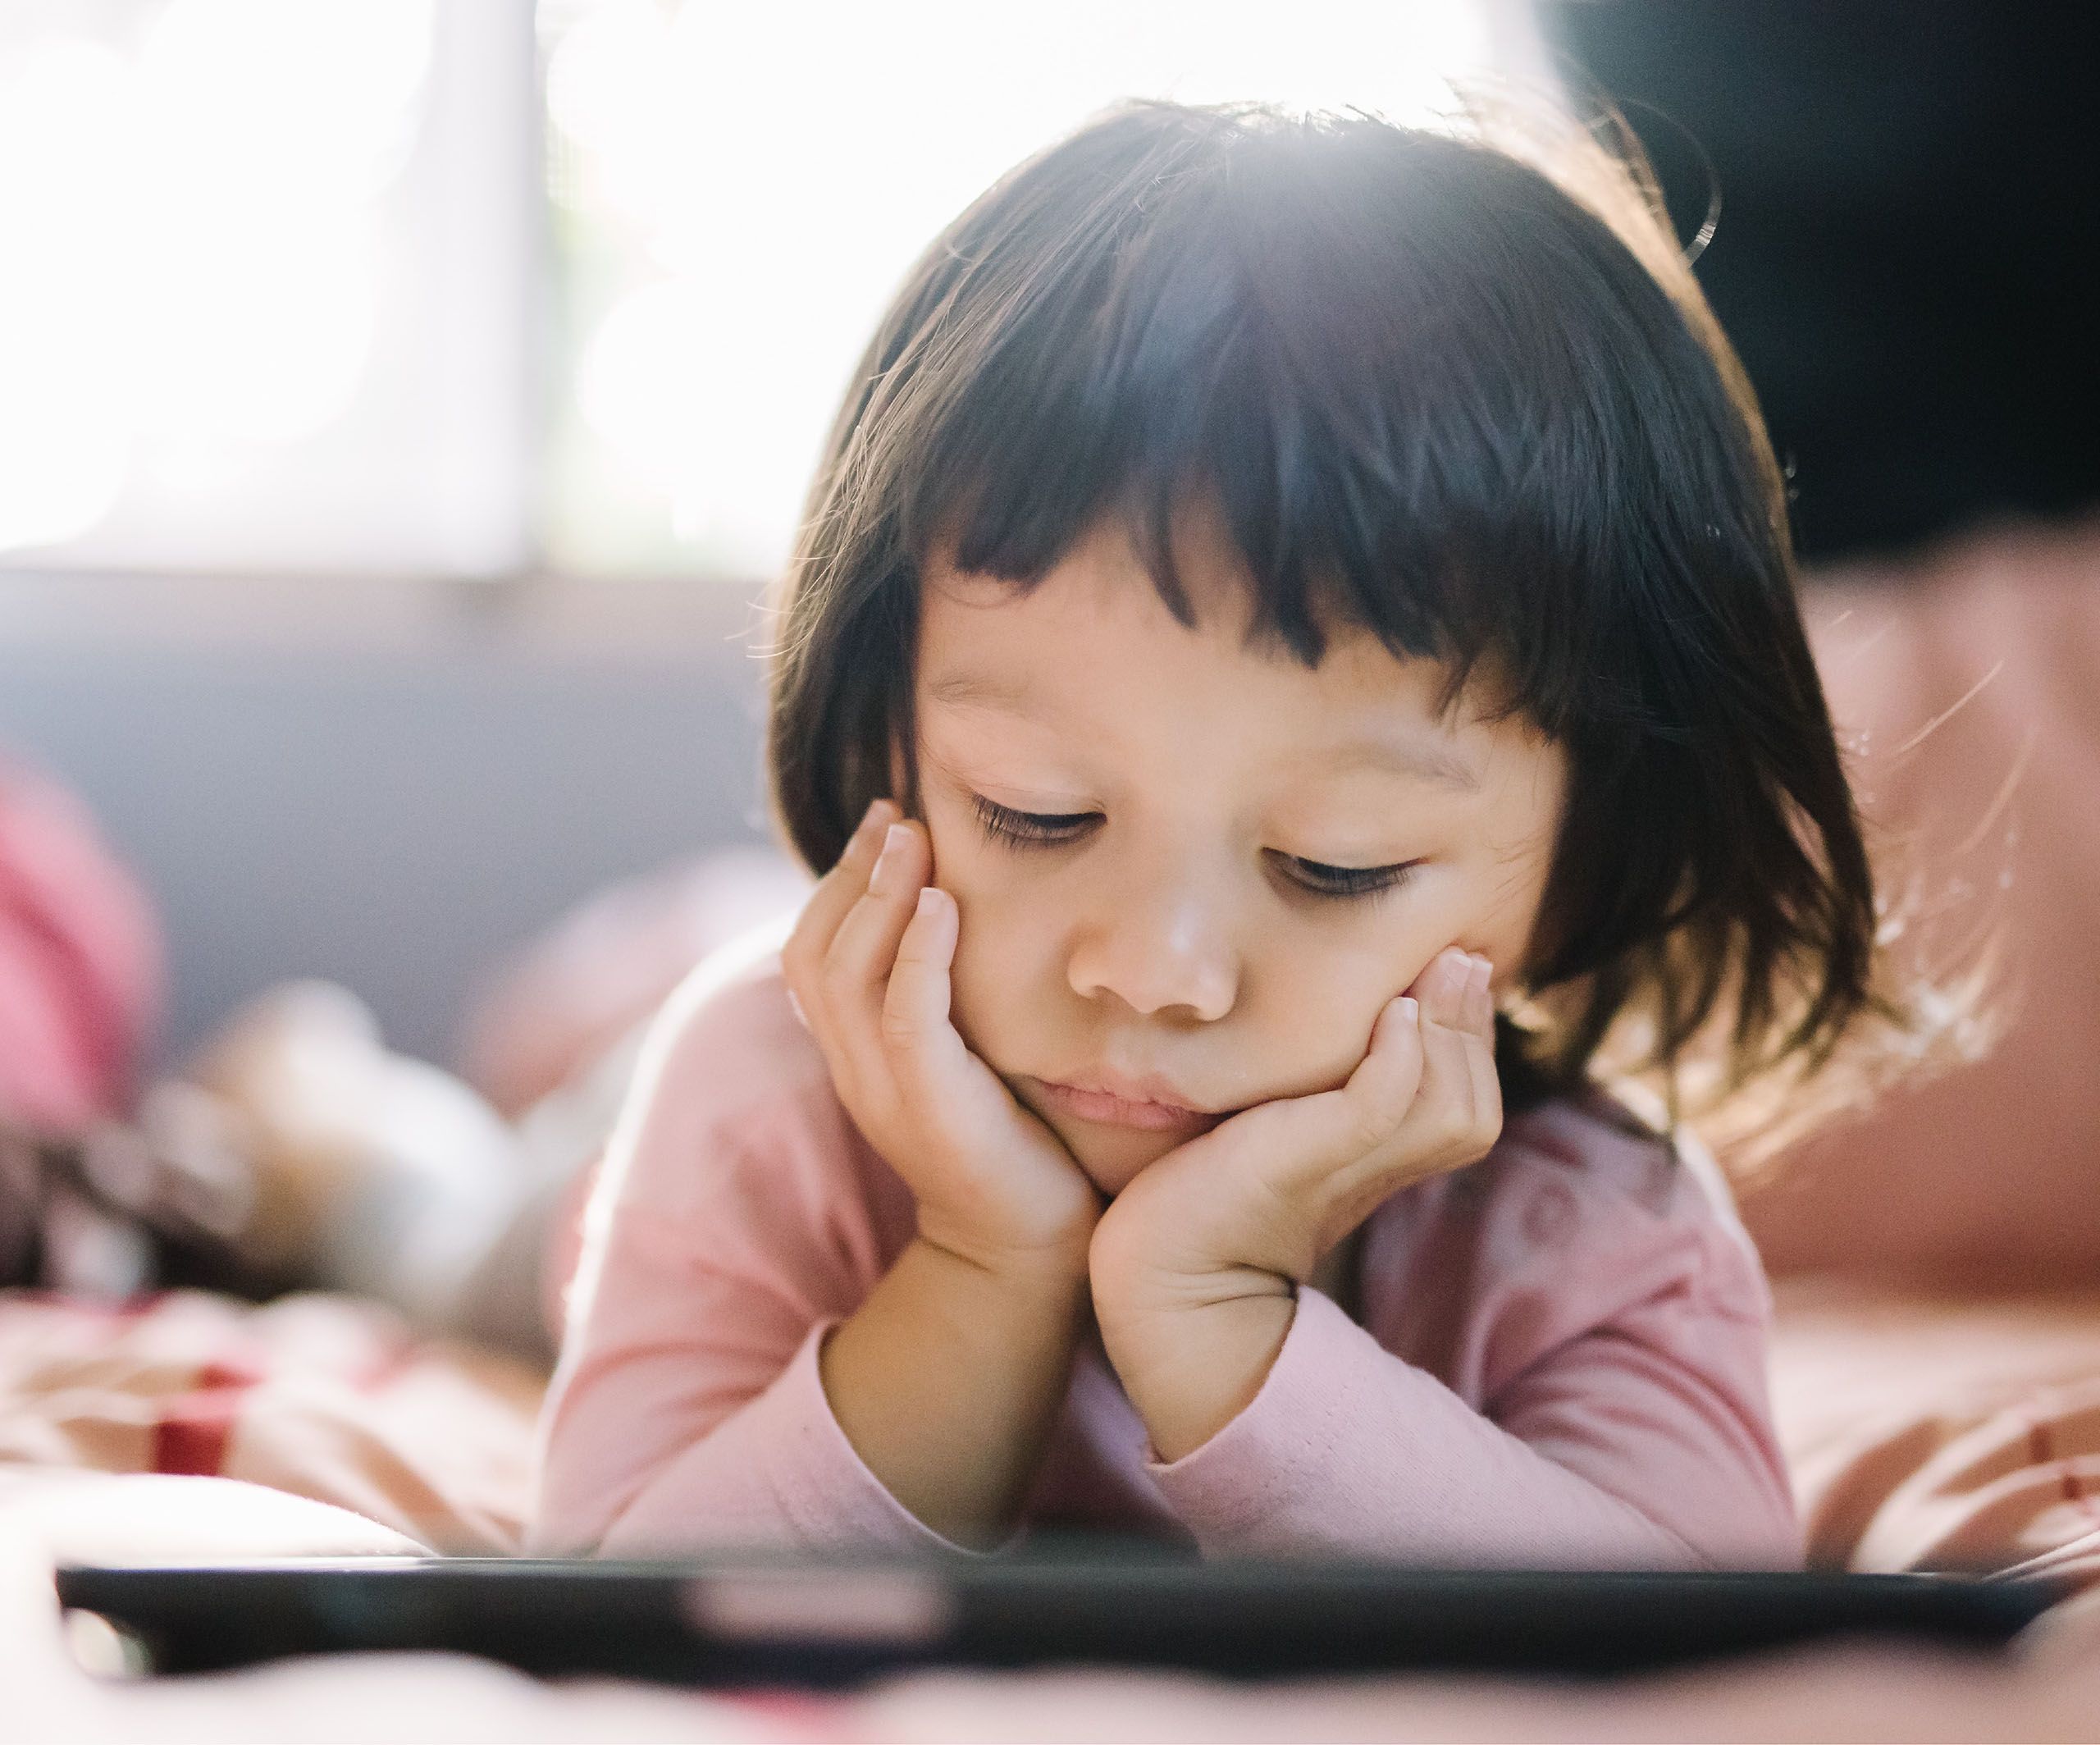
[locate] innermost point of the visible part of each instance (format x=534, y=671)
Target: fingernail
x=885, y=869
x=865, y=828
x=1410, y=1009
x=930, y=899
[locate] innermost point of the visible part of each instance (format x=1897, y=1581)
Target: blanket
x=2050, y=1691
x=1924, y=1433
x=326, y=1397
x=1940, y=1432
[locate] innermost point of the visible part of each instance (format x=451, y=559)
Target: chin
x=1113, y=1158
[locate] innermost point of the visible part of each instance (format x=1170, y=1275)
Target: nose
x=1161, y=946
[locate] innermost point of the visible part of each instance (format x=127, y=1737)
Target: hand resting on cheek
x=948, y=1379
x=1193, y=1269
x=868, y=965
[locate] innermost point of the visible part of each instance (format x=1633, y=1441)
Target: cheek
x=1310, y=1029
x=1112, y=1160
x=1500, y=926
x=1325, y=990
x=1006, y=961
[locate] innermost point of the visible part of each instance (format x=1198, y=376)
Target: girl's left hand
x=1194, y=1266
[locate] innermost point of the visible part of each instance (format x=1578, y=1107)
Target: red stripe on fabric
x=814, y=1720
x=2041, y=1452
x=190, y=1445
x=237, y=1376
x=193, y=1429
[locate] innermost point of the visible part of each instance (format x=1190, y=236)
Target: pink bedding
x=2050, y=1691
x=1962, y=684
x=324, y=1397
x=80, y=960
x=1924, y=1433
x=1939, y=1433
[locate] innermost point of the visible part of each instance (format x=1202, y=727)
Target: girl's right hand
x=868, y=964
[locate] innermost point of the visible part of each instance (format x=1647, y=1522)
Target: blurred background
x=402, y=402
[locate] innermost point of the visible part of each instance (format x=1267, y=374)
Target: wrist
x=1192, y=1336
x=1051, y=1265
x=1193, y=1366
x=1148, y=1305
x=947, y=1381
x=1143, y=1260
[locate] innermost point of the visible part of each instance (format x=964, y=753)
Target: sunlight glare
x=756, y=180
x=65, y=393
x=201, y=214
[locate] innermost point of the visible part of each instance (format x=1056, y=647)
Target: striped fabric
x=325, y=1397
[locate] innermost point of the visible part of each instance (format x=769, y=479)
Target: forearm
x=948, y=1381
x=1348, y=1451
x=1195, y=1267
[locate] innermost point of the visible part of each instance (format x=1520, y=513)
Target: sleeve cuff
x=779, y=1472
x=824, y=1488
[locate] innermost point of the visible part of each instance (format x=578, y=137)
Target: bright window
x=312, y=285
x=259, y=312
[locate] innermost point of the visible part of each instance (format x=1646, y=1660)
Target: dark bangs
x=1432, y=395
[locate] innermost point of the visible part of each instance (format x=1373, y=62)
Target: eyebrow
x=971, y=691
x=1414, y=755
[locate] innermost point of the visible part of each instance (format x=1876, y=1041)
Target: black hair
x=1432, y=394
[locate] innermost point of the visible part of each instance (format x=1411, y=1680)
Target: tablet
x=742, y=1622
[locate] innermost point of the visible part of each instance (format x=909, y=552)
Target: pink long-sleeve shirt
x=1560, y=1360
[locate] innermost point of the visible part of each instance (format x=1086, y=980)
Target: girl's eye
x=1031, y=830
x=1324, y=880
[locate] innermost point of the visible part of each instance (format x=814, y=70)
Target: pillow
x=1967, y=691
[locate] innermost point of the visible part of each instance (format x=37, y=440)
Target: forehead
x=1092, y=653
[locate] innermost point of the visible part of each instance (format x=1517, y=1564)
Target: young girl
x=1282, y=597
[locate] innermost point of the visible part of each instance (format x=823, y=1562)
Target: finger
x=1319, y=1163
x=1443, y=987
x=1459, y=1101
x=1480, y=1000
x=1448, y=991
x=1480, y=1057
x=1488, y=1100
x=915, y=1004
x=1303, y=1139
x=944, y=1086
x=805, y=956
x=839, y=889
x=855, y=970
x=864, y=947
x=1383, y=1087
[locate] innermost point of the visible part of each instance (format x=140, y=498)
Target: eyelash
x=1323, y=880
x=1031, y=830
x=1055, y=829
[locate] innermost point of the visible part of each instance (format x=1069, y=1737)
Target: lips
x=1148, y=1105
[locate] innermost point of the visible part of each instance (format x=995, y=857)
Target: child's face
x=1140, y=824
